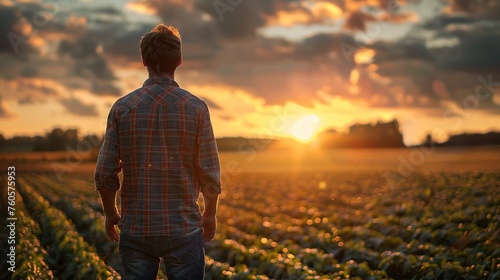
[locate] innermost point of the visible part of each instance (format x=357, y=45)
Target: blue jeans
x=183, y=256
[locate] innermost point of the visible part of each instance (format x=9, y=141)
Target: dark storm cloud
x=81, y=48
x=28, y=72
x=358, y=20
x=484, y=8
x=408, y=48
x=105, y=88
x=321, y=44
x=98, y=66
x=320, y=48
x=50, y=17
x=102, y=11
x=414, y=78
x=445, y=20
x=77, y=63
x=126, y=43
x=445, y=59
x=240, y=21
x=11, y=24
x=226, y=19
x=477, y=51
x=282, y=71
x=76, y=107
x=89, y=64
x=420, y=83
x=450, y=69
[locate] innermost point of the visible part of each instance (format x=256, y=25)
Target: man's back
x=157, y=128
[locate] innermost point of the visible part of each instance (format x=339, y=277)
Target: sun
x=304, y=129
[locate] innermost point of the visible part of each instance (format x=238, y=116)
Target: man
x=161, y=137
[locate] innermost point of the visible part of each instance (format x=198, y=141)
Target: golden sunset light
x=305, y=128
x=245, y=139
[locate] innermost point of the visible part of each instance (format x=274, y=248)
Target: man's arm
x=209, y=171
x=106, y=175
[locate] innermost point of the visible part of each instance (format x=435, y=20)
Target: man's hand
x=110, y=225
x=209, y=225
x=108, y=198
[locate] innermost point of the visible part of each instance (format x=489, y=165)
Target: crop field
x=298, y=224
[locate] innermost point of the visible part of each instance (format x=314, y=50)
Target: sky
x=266, y=68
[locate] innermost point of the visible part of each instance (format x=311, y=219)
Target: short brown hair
x=161, y=48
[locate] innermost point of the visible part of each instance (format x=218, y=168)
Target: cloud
x=30, y=90
x=228, y=44
x=358, y=20
x=66, y=58
x=226, y=48
x=126, y=43
x=275, y=69
x=236, y=20
x=476, y=49
x=76, y=107
x=13, y=30
x=436, y=66
x=105, y=88
x=359, y=13
x=81, y=48
x=406, y=48
x=305, y=13
x=479, y=8
x=5, y=112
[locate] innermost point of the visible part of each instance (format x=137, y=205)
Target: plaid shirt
x=162, y=138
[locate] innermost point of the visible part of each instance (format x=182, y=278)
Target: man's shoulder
x=180, y=96
x=128, y=98
x=189, y=98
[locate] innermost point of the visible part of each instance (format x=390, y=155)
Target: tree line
x=56, y=140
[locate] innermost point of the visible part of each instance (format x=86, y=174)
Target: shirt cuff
x=108, y=182
x=211, y=189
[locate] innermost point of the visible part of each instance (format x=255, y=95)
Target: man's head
x=161, y=49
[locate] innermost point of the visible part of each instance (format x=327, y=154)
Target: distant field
x=394, y=160
x=340, y=214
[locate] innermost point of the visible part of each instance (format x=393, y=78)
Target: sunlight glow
x=364, y=56
x=326, y=10
x=304, y=129
x=140, y=8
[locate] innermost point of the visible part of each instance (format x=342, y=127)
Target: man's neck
x=161, y=75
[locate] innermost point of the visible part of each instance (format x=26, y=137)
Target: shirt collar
x=161, y=81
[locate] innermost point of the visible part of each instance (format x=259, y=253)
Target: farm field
x=345, y=215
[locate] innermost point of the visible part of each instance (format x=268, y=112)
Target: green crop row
x=30, y=255
x=70, y=256
x=88, y=222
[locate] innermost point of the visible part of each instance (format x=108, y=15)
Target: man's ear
x=180, y=62
x=144, y=63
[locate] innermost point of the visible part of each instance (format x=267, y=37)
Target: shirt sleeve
x=207, y=156
x=109, y=162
